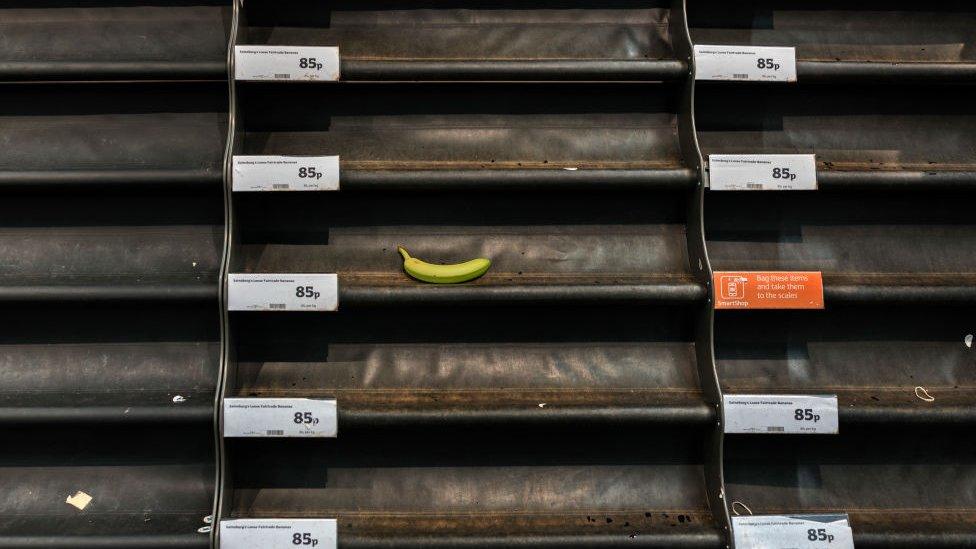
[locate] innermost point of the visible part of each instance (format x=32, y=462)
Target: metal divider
x=226, y=357
x=698, y=252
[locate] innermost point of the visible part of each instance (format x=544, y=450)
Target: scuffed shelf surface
x=901, y=484
x=106, y=362
x=874, y=357
x=840, y=41
x=114, y=40
x=153, y=485
x=618, y=40
x=546, y=487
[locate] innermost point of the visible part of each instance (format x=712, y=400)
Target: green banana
x=443, y=274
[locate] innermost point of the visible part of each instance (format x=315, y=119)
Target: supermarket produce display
x=631, y=273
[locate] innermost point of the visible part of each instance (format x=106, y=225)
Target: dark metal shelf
x=174, y=541
x=81, y=290
x=113, y=40
x=49, y=181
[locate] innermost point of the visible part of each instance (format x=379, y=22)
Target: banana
x=443, y=274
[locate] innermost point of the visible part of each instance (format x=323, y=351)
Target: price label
x=286, y=173
x=282, y=292
x=278, y=533
x=280, y=417
x=804, y=414
x=792, y=532
x=745, y=63
x=301, y=63
x=762, y=172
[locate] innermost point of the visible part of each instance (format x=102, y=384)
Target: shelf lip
x=149, y=541
x=117, y=414
x=142, y=179
x=83, y=291
x=354, y=295
x=101, y=71
x=920, y=540
x=604, y=70
x=884, y=71
x=514, y=179
x=896, y=179
x=944, y=415
x=897, y=293
x=705, y=538
x=690, y=413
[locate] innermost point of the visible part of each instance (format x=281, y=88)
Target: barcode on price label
x=298, y=63
x=803, y=414
x=762, y=172
x=285, y=173
x=282, y=292
x=278, y=533
x=792, y=532
x=745, y=63
x=280, y=417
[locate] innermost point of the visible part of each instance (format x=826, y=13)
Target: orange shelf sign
x=768, y=290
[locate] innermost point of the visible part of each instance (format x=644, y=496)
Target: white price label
x=286, y=173
x=806, y=414
x=745, y=63
x=762, y=172
x=282, y=292
x=280, y=417
x=792, y=532
x=278, y=533
x=302, y=63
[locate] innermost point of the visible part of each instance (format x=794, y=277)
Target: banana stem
x=403, y=252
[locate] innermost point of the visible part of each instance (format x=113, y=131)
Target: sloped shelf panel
x=484, y=40
x=891, y=247
x=489, y=488
x=874, y=358
x=111, y=236
x=874, y=137
x=447, y=367
x=148, y=487
x=894, y=40
x=143, y=234
x=901, y=487
x=427, y=137
x=104, y=363
x=543, y=248
x=61, y=40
